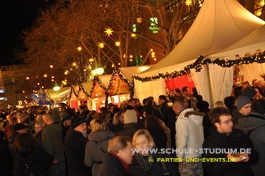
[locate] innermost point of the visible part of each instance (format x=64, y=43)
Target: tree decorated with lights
x=80, y=38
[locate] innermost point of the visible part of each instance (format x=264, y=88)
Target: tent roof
x=249, y=45
x=105, y=79
x=219, y=24
x=87, y=86
x=129, y=71
x=57, y=94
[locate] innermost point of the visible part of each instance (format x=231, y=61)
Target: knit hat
x=130, y=116
x=249, y=92
x=242, y=101
x=19, y=126
x=76, y=121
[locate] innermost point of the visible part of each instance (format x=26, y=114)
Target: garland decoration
x=197, y=65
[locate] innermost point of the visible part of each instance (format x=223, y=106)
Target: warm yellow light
x=52, y=80
x=74, y=64
x=258, y=13
x=97, y=71
x=117, y=43
x=152, y=54
x=79, y=48
x=112, y=65
x=66, y=72
x=51, y=66
x=91, y=60
x=42, y=87
x=27, y=78
x=188, y=2
x=262, y=3
x=131, y=56
x=130, y=60
x=38, y=84
x=133, y=35
x=108, y=31
x=56, y=88
x=52, y=76
x=154, y=59
x=119, y=63
x=101, y=45
x=23, y=91
x=45, y=75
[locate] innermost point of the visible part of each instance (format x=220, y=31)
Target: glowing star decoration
x=101, y=45
x=188, y=2
x=133, y=35
x=108, y=31
x=139, y=20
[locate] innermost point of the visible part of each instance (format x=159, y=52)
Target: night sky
x=15, y=16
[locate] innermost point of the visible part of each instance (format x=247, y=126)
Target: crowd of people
x=132, y=139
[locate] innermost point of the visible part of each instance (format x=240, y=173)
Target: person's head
x=254, y=81
x=67, y=121
x=180, y=104
x=193, y=102
x=122, y=147
x=81, y=109
x=25, y=142
x=243, y=104
x=130, y=116
x=258, y=92
x=177, y=92
x=249, y=92
x=131, y=102
x=103, y=110
x=172, y=93
x=93, y=114
x=245, y=84
x=143, y=141
x=162, y=99
x=150, y=101
x=98, y=125
x=260, y=83
x=39, y=126
x=111, y=108
x=118, y=117
x=221, y=119
x=237, y=91
x=185, y=91
x=258, y=106
x=48, y=118
x=202, y=106
x=194, y=91
x=79, y=124
x=229, y=101
x=219, y=104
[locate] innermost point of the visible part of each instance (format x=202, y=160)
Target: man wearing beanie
x=249, y=92
x=75, y=144
x=243, y=104
x=130, y=124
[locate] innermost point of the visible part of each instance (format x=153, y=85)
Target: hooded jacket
x=189, y=133
x=96, y=148
x=254, y=126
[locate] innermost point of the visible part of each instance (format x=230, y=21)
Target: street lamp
x=56, y=87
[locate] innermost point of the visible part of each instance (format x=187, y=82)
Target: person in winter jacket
x=227, y=140
x=118, y=158
x=97, y=144
x=254, y=126
x=75, y=143
x=189, y=136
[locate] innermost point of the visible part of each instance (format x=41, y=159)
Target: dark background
x=15, y=16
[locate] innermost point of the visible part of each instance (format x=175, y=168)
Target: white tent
x=252, y=44
x=219, y=24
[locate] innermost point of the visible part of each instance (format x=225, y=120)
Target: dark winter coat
x=148, y=166
x=37, y=162
x=254, y=126
x=75, y=144
x=112, y=166
x=128, y=130
x=236, y=140
x=96, y=148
